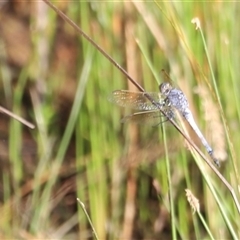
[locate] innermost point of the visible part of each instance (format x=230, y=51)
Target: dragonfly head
x=165, y=88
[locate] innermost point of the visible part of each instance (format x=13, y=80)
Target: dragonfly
x=168, y=99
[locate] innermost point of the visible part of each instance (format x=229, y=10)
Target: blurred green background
x=131, y=178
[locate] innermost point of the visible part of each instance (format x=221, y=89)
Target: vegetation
x=130, y=179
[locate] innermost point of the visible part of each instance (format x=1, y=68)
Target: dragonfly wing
x=166, y=77
x=152, y=118
x=135, y=100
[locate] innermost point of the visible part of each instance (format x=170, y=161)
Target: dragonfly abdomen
x=189, y=117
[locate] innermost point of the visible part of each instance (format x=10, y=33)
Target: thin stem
x=21, y=120
x=89, y=219
x=172, y=209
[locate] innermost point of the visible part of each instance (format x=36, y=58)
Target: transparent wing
x=135, y=100
x=166, y=77
x=153, y=118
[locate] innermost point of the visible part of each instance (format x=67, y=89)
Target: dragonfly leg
x=156, y=125
x=169, y=114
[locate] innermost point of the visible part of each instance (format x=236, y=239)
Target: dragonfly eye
x=165, y=88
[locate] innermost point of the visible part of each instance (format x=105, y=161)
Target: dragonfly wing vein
x=152, y=118
x=135, y=100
